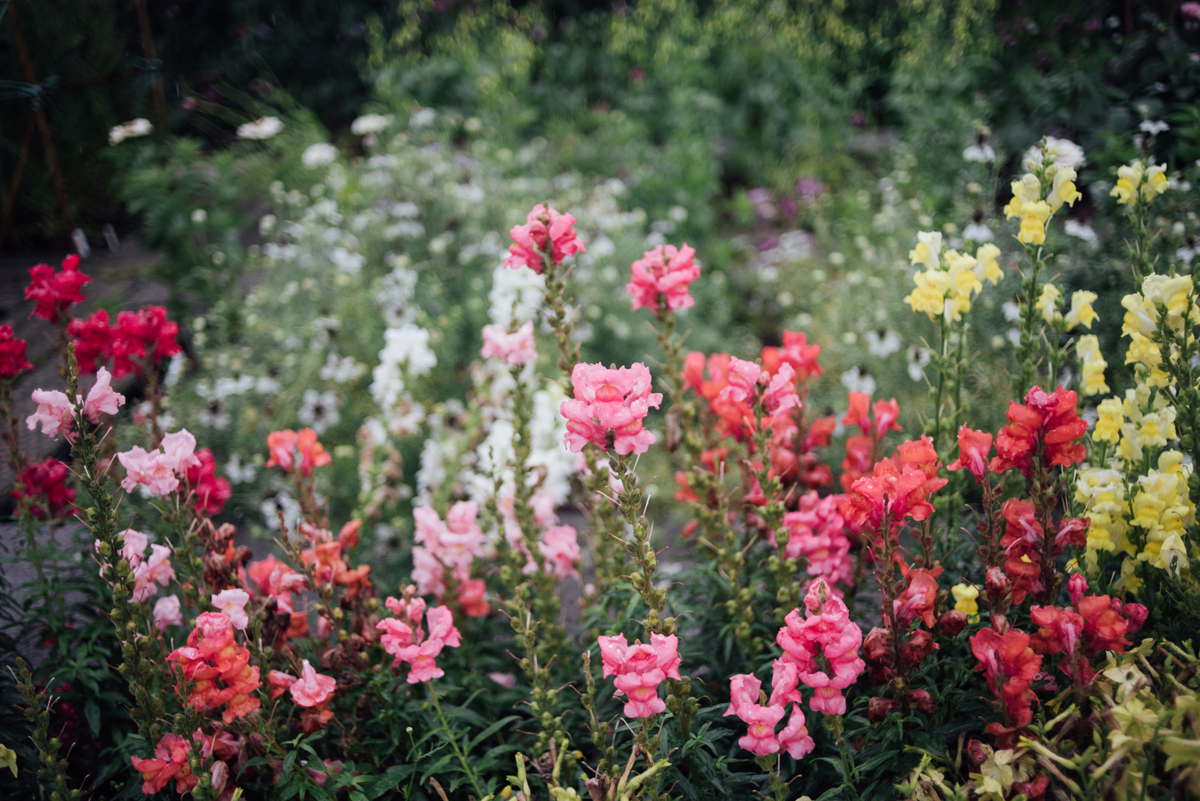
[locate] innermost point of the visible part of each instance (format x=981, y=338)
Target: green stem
x=450, y=738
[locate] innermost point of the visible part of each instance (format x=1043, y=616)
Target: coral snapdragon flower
x=639, y=669
x=284, y=445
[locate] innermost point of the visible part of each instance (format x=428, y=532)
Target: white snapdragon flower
x=369, y=124
x=129, y=130
x=1066, y=154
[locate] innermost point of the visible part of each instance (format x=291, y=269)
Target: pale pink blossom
x=542, y=225
x=664, y=271
x=102, y=399
x=157, y=568
x=516, y=348
x=606, y=399
x=404, y=638
x=639, y=669
x=743, y=377
x=312, y=688
x=134, y=547
x=179, y=451
x=781, y=391
x=560, y=548
x=505, y=680
x=55, y=413
x=167, y=612
x=428, y=573
x=233, y=603
x=148, y=468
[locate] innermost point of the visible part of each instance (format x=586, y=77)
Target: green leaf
x=92, y=713
x=288, y=762
x=489, y=731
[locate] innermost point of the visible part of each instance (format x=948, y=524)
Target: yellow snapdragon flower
x=1101, y=491
x=1062, y=188
x=966, y=600
x=1092, y=365
x=1081, y=312
x=1135, y=181
x=928, y=250
x=1108, y=426
x=988, y=268
x=1048, y=302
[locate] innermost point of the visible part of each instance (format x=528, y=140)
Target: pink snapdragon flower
x=761, y=739
x=516, y=348
x=312, y=688
x=817, y=532
x=157, y=568
x=167, y=612
x=134, y=547
x=151, y=468
x=160, y=470
x=233, y=603
x=404, y=638
x=451, y=546
x=102, y=399
x=664, y=271
x=560, y=547
x=743, y=378
x=545, y=229
x=279, y=682
x=616, y=400
x=639, y=669
x=55, y=413
x=829, y=631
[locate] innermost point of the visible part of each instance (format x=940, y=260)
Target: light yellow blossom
x=1092, y=365
x=1048, y=302
x=987, y=267
x=928, y=250
x=1108, y=426
x=1081, y=312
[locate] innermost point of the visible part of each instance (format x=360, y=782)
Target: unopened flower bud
x=951, y=623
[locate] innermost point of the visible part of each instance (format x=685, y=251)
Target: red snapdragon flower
x=973, y=449
x=93, y=340
x=55, y=292
x=902, y=484
x=545, y=230
x=145, y=334
x=170, y=761
x=44, y=486
x=212, y=491
x=1052, y=418
x=1010, y=666
x=12, y=354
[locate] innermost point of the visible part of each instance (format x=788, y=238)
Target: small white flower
x=882, y=343
x=369, y=124
x=422, y=118
x=281, y=503
x=341, y=369
x=199, y=216
x=1079, y=231
x=239, y=473
x=1012, y=312
x=266, y=225
x=129, y=130
x=319, y=410
x=982, y=154
x=977, y=232
x=1154, y=127
x=262, y=128
x=214, y=415
x=918, y=358
x=1066, y=154
x=319, y=155
x=1186, y=254
x=857, y=379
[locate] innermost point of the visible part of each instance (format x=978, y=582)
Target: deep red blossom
x=55, y=292
x=12, y=354
x=93, y=340
x=145, y=334
x=1023, y=537
x=43, y=485
x=211, y=491
x=1010, y=665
